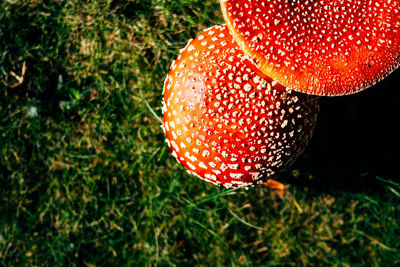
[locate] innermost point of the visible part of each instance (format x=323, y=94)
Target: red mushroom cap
x=226, y=121
x=330, y=48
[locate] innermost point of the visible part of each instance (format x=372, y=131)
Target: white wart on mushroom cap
x=335, y=47
x=227, y=122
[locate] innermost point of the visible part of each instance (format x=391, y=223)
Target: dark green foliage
x=87, y=179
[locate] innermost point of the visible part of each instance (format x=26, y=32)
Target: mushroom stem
x=275, y=185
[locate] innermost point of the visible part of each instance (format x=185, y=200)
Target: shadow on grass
x=357, y=138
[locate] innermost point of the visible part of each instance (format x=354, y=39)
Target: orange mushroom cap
x=226, y=121
x=329, y=48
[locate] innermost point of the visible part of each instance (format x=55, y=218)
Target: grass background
x=87, y=179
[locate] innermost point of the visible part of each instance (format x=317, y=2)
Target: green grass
x=87, y=179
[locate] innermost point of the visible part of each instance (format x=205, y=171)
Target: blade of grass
x=246, y=223
x=153, y=112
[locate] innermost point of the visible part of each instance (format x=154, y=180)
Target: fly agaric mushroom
x=329, y=48
x=226, y=121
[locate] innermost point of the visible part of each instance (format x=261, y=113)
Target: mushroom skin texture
x=328, y=48
x=226, y=121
